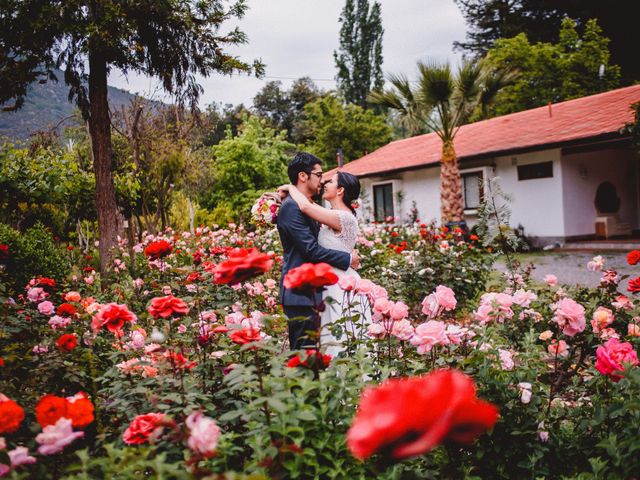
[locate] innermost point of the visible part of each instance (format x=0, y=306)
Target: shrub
x=31, y=253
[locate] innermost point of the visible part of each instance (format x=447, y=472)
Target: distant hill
x=45, y=105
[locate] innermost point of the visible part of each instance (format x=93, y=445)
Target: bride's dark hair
x=351, y=186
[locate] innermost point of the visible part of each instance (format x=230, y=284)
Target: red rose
x=113, y=316
x=193, y=277
x=242, y=264
x=66, y=310
x=67, y=342
x=46, y=282
x=633, y=257
x=245, y=335
x=4, y=251
x=11, y=415
x=634, y=285
x=144, y=428
x=311, y=356
x=50, y=409
x=80, y=410
x=178, y=360
x=612, y=357
x=309, y=275
x=406, y=417
x=158, y=249
x=167, y=306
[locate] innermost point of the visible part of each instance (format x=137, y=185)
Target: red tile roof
x=570, y=121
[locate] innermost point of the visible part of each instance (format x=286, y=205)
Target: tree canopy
x=284, y=109
x=489, y=20
x=573, y=67
x=359, y=57
x=331, y=125
x=173, y=40
x=247, y=165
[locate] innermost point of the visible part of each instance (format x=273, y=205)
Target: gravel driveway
x=571, y=267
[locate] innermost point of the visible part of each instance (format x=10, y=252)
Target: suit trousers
x=298, y=336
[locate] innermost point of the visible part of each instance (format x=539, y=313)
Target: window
x=383, y=201
x=535, y=170
x=472, y=189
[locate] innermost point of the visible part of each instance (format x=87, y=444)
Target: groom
x=299, y=237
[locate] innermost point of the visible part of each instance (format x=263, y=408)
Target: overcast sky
x=297, y=38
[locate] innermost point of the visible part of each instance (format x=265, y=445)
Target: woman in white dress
x=339, y=231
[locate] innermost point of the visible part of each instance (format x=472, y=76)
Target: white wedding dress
x=358, y=316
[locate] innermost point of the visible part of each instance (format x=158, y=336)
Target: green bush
x=32, y=253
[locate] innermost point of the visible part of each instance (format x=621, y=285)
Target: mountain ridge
x=45, y=106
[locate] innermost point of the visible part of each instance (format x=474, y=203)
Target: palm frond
x=436, y=83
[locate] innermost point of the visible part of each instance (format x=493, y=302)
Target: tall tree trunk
x=451, y=207
x=100, y=130
x=192, y=216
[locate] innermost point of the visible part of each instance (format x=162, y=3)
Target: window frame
x=374, y=187
x=486, y=173
x=530, y=166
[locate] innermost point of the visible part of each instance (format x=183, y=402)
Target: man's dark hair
x=302, y=162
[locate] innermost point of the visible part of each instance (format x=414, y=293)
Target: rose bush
x=193, y=379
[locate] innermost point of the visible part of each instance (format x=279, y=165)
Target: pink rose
x=622, y=303
x=506, y=359
x=612, y=357
x=602, y=318
x=455, y=334
x=382, y=305
x=551, y=280
x=483, y=313
x=138, y=338
x=559, y=348
x=364, y=286
x=376, y=330
x=55, y=437
x=398, y=311
x=633, y=330
x=402, y=329
x=204, y=434
x=524, y=298
x=57, y=322
x=569, y=315
x=72, y=297
x=20, y=456
x=443, y=298
x=546, y=335
x=36, y=294
x=377, y=292
x=504, y=300
x=347, y=283
x=429, y=334
x=46, y=308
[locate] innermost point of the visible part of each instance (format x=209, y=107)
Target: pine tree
x=359, y=59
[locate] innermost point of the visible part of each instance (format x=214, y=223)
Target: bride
x=339, y=232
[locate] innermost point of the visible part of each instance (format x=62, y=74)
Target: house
x=555, y=162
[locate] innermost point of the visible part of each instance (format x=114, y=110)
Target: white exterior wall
x=421, y=186
x=537, y=203
x=557, y=207
x=581, y=175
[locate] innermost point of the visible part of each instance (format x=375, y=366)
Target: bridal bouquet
x=264, y=212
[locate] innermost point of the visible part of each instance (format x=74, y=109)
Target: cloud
x=296, y=38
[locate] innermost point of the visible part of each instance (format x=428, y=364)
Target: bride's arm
x=315, y=211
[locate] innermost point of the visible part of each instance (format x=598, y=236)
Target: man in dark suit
x=299, y=237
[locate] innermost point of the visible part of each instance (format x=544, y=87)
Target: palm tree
x=443, y=102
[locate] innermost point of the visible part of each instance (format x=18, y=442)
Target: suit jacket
x=299, y=237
